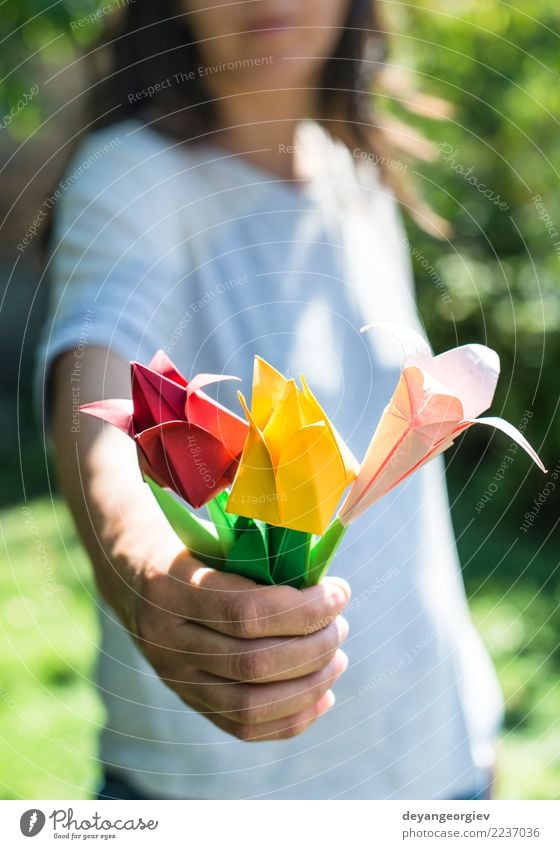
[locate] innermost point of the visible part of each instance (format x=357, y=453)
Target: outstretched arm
x=274, y=650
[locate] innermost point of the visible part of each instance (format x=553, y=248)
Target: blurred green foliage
x=498, y=66
x=33, y=33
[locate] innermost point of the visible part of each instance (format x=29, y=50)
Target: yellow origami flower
x=294, y=465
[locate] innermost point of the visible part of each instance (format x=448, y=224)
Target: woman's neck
x=261, y=126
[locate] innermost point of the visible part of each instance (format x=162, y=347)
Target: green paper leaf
x=198, y=536
x=323, y=552
x=249, y=554
x=222, y=500
x=224, y=522
x=289, y=554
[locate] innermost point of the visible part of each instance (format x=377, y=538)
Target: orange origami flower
x=436, y=399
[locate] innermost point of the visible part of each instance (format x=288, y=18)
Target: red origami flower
x=186, y=441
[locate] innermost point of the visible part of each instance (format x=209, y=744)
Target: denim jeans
x=114, y=787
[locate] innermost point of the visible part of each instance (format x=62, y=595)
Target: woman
x=226, y=204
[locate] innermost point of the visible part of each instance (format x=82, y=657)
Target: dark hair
x=153, y=42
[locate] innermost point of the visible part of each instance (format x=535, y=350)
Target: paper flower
x=186, y=441
x=294, y=465
x=436, y=399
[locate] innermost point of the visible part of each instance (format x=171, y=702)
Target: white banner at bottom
x=282, y=824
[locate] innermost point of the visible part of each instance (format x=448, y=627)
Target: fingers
x=280, y=729
x=241, y=608
x=253, y=711
x=268, y=659
x=251, y=704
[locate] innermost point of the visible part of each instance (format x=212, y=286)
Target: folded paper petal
x=349, y=462
x=472, y=373
x=161, y=364
x=155, y=398
x=207, y=414
x=286, y=418
x=187, y=459
x=469, y=372
x=268, y=390
x=512, y=432
x=414, y=422
x=309, y=479
x=254, y=489
x=115, y=411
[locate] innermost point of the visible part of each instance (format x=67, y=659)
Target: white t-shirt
x=211, y=258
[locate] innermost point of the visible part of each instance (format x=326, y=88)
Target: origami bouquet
x=271, y=483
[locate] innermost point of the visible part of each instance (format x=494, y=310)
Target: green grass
x=517, y=627
x=50, y=714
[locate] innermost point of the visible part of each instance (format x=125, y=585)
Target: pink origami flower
x=436, y=399
x=186, y=441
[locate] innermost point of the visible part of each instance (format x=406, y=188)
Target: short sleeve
x=116, y=252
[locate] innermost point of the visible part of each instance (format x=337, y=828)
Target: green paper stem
x=323, y=552
x=265, y=553
x=289, y=555
x=223, y=522
x=249, y=555
x=198, y=536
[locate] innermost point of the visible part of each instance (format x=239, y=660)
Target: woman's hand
x=257, y=661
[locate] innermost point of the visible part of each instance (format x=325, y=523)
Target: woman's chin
x=278, y=40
